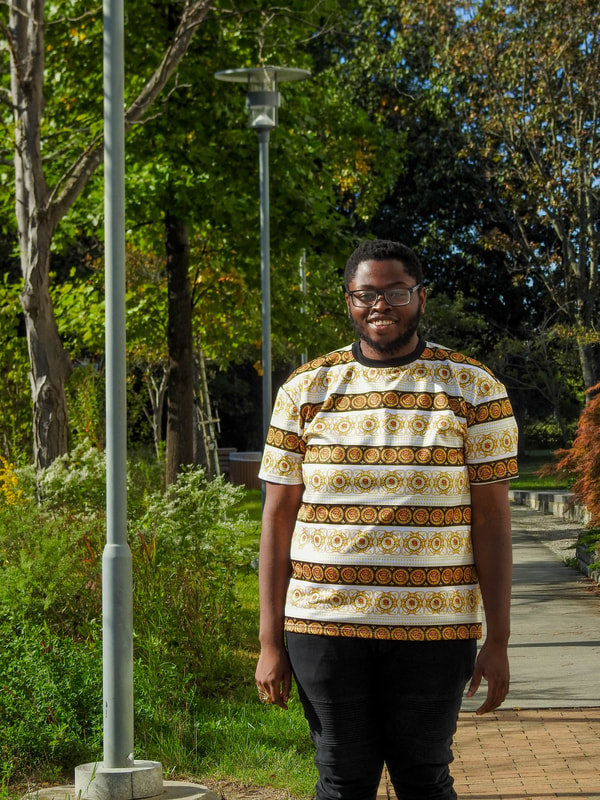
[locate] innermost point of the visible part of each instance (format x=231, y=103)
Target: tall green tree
x=329, y=160
x=438, y=202
x=530, y=78
x=57, y=148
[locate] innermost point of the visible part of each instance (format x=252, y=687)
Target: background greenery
x=194, y=552
x=404, y=130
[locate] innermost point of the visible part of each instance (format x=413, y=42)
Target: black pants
x=371, y=702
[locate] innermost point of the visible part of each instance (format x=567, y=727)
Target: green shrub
x=50, y=569
x=76, y=482
x=186, y=558
x=85, y=398
x=186, y=555
x=50, y=699
x=545, y=434
x=73, y=483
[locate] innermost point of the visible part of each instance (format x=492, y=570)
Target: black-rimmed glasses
x=366, y=298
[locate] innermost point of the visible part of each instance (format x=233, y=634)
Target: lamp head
x=263, y=98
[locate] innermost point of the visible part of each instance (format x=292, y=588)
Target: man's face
x=385, y=331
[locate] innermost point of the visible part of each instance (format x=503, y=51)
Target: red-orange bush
x=582, y=460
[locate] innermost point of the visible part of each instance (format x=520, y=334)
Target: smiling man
x=386, y=526
x=385, y=300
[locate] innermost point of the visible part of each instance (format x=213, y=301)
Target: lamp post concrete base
x=169, y=790
x=94, y=781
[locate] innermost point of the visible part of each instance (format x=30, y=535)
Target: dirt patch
x=237, y=791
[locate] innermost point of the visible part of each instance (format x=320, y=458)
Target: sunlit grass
x=240, y=741
x=529, y=467
x=251, y=504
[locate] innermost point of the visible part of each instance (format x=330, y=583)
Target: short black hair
x=382, y=250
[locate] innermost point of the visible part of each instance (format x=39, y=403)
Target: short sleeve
x=284, y=449
x=492, y=438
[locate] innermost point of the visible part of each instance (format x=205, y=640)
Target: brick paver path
x=525, y=755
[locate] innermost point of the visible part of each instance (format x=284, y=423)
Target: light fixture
x=262, y=102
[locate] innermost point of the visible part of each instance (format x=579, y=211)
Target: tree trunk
x=49, y=363
x=180, y=381
x=589, y=357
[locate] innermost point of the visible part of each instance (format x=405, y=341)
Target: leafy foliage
x=186, y=556
x=75, y=482
x=49, y=703
x=453, y=322
x=582, y=460
x=85, y=396
x=543, y=377
x=532, y=70
x=467, y=130
x=188, y=545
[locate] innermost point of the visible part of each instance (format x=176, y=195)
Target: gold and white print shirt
x=382, y=545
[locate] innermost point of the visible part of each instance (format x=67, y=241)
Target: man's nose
x=381, y=301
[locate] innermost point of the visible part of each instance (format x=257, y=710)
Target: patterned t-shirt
x=386, y=452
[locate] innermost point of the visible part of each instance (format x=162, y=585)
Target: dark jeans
x=371, y=702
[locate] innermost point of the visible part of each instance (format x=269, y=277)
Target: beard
x=389, y=348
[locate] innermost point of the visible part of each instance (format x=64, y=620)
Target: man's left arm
x=492, y=549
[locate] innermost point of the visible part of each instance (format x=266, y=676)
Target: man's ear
x=347, y=298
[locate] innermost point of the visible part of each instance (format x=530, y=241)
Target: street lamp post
x=118, y=775
x=262, y=102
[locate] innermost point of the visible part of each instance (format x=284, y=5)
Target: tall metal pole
x=118, y=775
x=117, y=649
x=265, y=274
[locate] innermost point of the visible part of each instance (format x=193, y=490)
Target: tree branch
x=71, y=184
x=192, y=17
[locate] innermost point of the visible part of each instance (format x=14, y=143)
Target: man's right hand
x=274, y=674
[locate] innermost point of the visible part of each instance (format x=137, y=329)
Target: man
x=386, y=520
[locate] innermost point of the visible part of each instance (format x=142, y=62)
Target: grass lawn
x=251, y=504
x=529, y=466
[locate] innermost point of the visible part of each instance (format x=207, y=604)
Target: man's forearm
x=495, y=579
x=492, y=551
x=274, y=570
x=273, y=579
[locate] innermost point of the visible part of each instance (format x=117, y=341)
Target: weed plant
x=193, y=548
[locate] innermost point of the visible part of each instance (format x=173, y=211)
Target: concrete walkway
x=544, y=741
